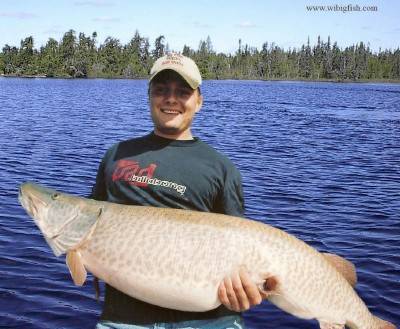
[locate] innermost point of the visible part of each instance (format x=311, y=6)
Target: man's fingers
x=240, y=293
x=250, y=288
x=223, y=297
x=230, y=292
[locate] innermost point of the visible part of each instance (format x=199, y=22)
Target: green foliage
x=136, y=57
x=2, y=64
x=49, y=60
x=159, y=47
x=80, y=57
x=10, y=59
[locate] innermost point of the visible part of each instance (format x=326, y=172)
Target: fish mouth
x=26, y=202
x=36, y=200
x=31, y=199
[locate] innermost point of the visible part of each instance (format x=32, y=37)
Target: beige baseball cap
x=182, y=65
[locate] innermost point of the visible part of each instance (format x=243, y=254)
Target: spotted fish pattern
x=177, y=258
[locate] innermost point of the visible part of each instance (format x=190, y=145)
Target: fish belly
x=162, y=261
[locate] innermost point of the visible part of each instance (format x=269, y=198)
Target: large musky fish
x=177, y=258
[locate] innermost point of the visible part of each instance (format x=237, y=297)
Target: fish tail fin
x=344, y=267
x=383, y=324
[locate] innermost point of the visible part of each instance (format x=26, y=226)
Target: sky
x=286, y=23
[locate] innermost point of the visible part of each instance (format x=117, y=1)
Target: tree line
x=80, y=57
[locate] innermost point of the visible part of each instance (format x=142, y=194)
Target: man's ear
x=199, y=102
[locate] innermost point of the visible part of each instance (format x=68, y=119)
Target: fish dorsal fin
x=76, y=267
x=343, y=266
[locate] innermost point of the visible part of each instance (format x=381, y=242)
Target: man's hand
x=238, y=292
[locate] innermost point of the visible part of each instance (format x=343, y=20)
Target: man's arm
x=236, y=292
x=99, y=191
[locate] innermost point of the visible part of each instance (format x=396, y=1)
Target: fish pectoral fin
x=76, y=267
x=327, y=325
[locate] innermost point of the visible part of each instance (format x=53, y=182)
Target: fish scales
x=177, y=258
x=191, y=253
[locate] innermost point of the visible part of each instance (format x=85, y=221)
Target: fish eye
x=54, y=196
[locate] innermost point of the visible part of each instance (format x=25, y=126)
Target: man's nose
x=171, y=95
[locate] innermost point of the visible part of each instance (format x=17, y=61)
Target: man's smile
x=170, y=111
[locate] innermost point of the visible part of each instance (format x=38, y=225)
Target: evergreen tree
x=67, y=52
x=187, y=51
x=337, y=60
x=26, y=58
x=50, y=63
x=395, y=73
x=80, y=57
x=203, y=58
x=85, y=55
x=305, y=61
x=136, y=57
x=2, y=64
x=159, y=47
x=10, y=59
x=110, y=55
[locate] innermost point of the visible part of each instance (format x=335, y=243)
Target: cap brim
x=193, y=84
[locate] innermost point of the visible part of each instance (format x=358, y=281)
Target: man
x=172, y=168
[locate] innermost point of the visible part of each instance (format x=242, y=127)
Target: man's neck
x=186, y=135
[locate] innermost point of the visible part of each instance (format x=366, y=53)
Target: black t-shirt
x=159, y=172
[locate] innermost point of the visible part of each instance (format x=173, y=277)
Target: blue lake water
x=319, y=160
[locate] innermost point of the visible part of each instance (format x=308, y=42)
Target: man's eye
x=185, y=92
x=159, y=90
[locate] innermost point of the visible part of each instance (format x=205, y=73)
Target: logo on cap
x=182, y=65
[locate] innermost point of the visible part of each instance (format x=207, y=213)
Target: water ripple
x=319, y=160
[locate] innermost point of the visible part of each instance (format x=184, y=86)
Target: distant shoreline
x=145, y=78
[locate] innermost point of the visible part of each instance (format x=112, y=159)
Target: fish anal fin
x=326, y=325
x=76, y=267
x=344, y=267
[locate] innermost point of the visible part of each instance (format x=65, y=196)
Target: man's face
x=173, y=105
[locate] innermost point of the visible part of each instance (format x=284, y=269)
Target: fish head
x=39, y=202
x=63, y=219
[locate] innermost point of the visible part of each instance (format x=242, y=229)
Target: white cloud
x=18, y=15
x=94, y=3
x=106, y=19
x=54, y=30
x=246, y=25
x=201, y=25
